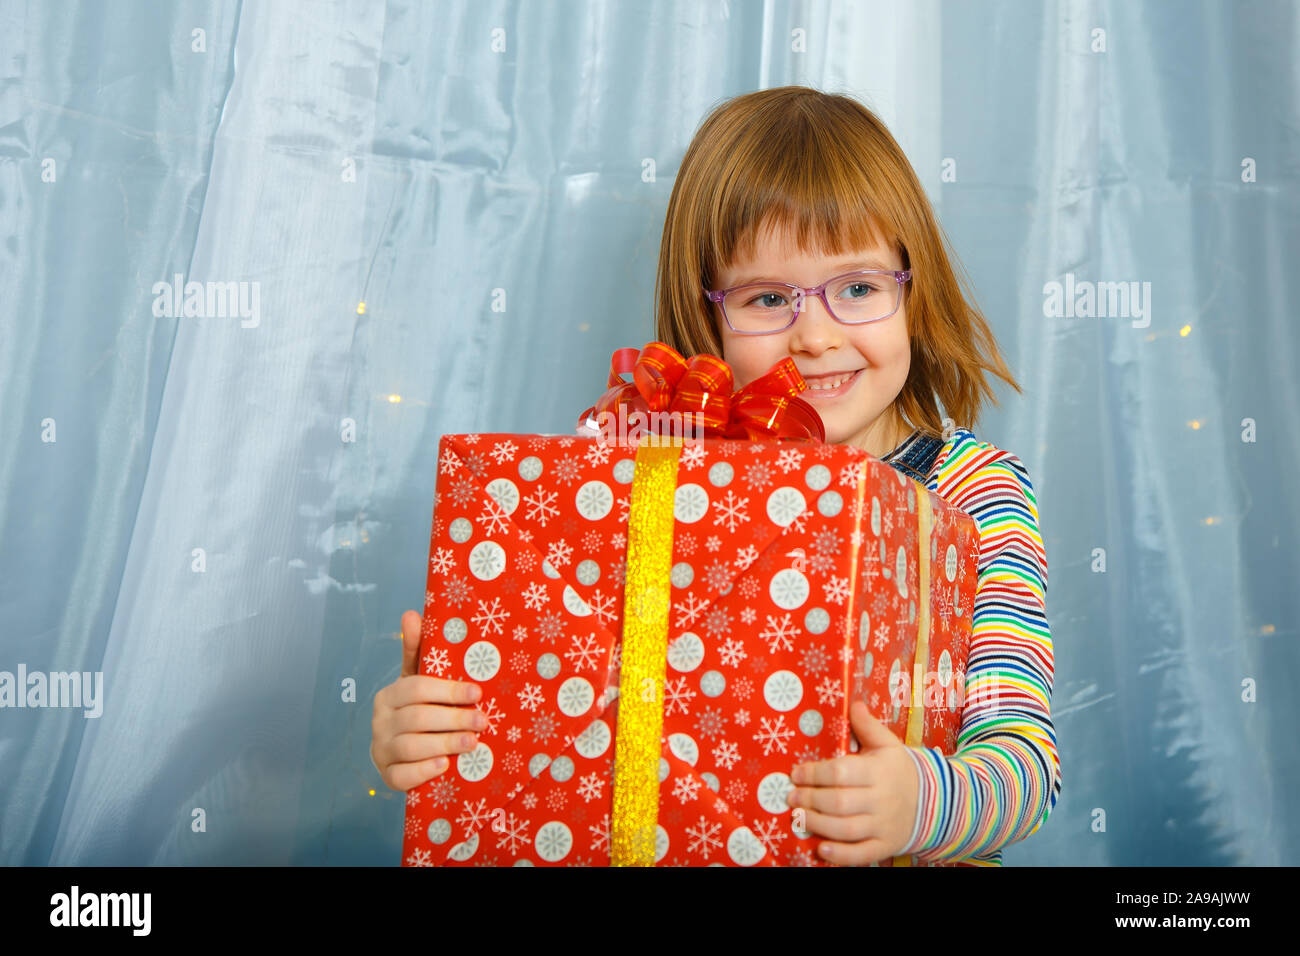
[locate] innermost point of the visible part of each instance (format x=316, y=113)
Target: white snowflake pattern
x=442, y=561
x=598, y=453
x=449, y=462
x=491, y=617
x=770, y=832
x=726, y=754
x=704, y=837
x=493, y=519
x=491, y=713
x=686, y=788
x=541, y=505
x=602, y=606
x=713, y=542
x=689, y=609
x=677, y=696
x=710, y=723
x=600, y=835
x=559, y=553
x=729, y=510
x=836, y=590
x=692, y=456
x=436, y=661
x=590, y=787
x=828, y=692
x=583, y=652
x=531, y=697
x=773, y=734
x=568, y=469
x=748, y=615
x=718, y=623
x=758, y=475
x=779, y=634
x=732, y=652
x=420, y=857
x=789, y=459
x=535, y=595
x=745, y=557
x=503, y=451
x=473, y=816
x=852, y=472
x=513, y=833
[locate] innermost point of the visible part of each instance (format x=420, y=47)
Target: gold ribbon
x=916, y=713
x=645, y=652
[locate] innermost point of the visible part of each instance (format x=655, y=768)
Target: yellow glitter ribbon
x=916, y=714
x=645, y=652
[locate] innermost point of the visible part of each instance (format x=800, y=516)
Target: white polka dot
x=482, y=660
x=817, y=477
x=460, y=530
x=690, y=502
x=817, y=620
x=439, y=831
x=537, y=763
x=464, y=850
x=530, y=469
x=593, y=741
x=789, y=589
x=575, y=697
x=594, y=500
x=624, y=471
x=455, y=630
x=661, y=843
x=475, y=764
x=810, y=723
x=950, y=563
x=744, y=848
x=553, y=842
x=686, y=652
x=548, y=665
x=784, y=505
x=574, y=604
x=875, y=516
x=712, y=683
x=783, y=690
x=549, y=570
x=487, y=560
x=720, y=474
x=900, y=572
x=772, y=791
x=504, y=493
x=945, y=668
x=588, y=572
x=684, y=748
x=681, y=575
x=562, y=768
x=864, y=631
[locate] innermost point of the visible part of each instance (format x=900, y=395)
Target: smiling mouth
x=829, y=386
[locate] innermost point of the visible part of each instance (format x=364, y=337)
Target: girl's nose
x=815, y=329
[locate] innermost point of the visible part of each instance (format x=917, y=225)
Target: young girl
x=797, y=228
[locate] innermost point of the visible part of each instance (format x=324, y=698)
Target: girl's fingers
x=853, y=854
x=435, y=718
x=407, y=776
x=852, y=829
x=412, y=748
x=421, y=689
x=836, y=801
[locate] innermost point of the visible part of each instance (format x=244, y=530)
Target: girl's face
x=860, y=412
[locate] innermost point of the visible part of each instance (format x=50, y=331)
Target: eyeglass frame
x=899, y=275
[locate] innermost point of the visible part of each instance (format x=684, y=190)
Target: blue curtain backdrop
x=181, y=510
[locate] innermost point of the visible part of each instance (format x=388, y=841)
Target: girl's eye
x=859, y=289
x=763, y=300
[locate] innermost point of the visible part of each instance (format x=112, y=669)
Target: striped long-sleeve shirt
x=1005, y=778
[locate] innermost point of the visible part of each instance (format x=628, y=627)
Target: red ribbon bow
x=663, y=381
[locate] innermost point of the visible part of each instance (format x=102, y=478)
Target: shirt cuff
x=927, y=830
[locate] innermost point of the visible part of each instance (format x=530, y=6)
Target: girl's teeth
x=832, y=383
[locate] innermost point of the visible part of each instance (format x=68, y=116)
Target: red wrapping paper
x=786, y=603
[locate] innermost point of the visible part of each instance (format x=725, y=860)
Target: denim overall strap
x=917, y=461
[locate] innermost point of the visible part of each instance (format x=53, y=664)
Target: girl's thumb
x=411, y=623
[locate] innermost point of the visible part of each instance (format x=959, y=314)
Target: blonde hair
x=826, y=167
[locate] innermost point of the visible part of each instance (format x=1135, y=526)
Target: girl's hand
x=419, y=722
x=866, y=801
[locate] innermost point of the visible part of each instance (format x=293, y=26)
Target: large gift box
x=663, y=627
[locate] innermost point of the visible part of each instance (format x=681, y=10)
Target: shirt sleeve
x=1004, y=779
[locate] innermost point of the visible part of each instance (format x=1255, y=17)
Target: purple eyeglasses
x=879, y=296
